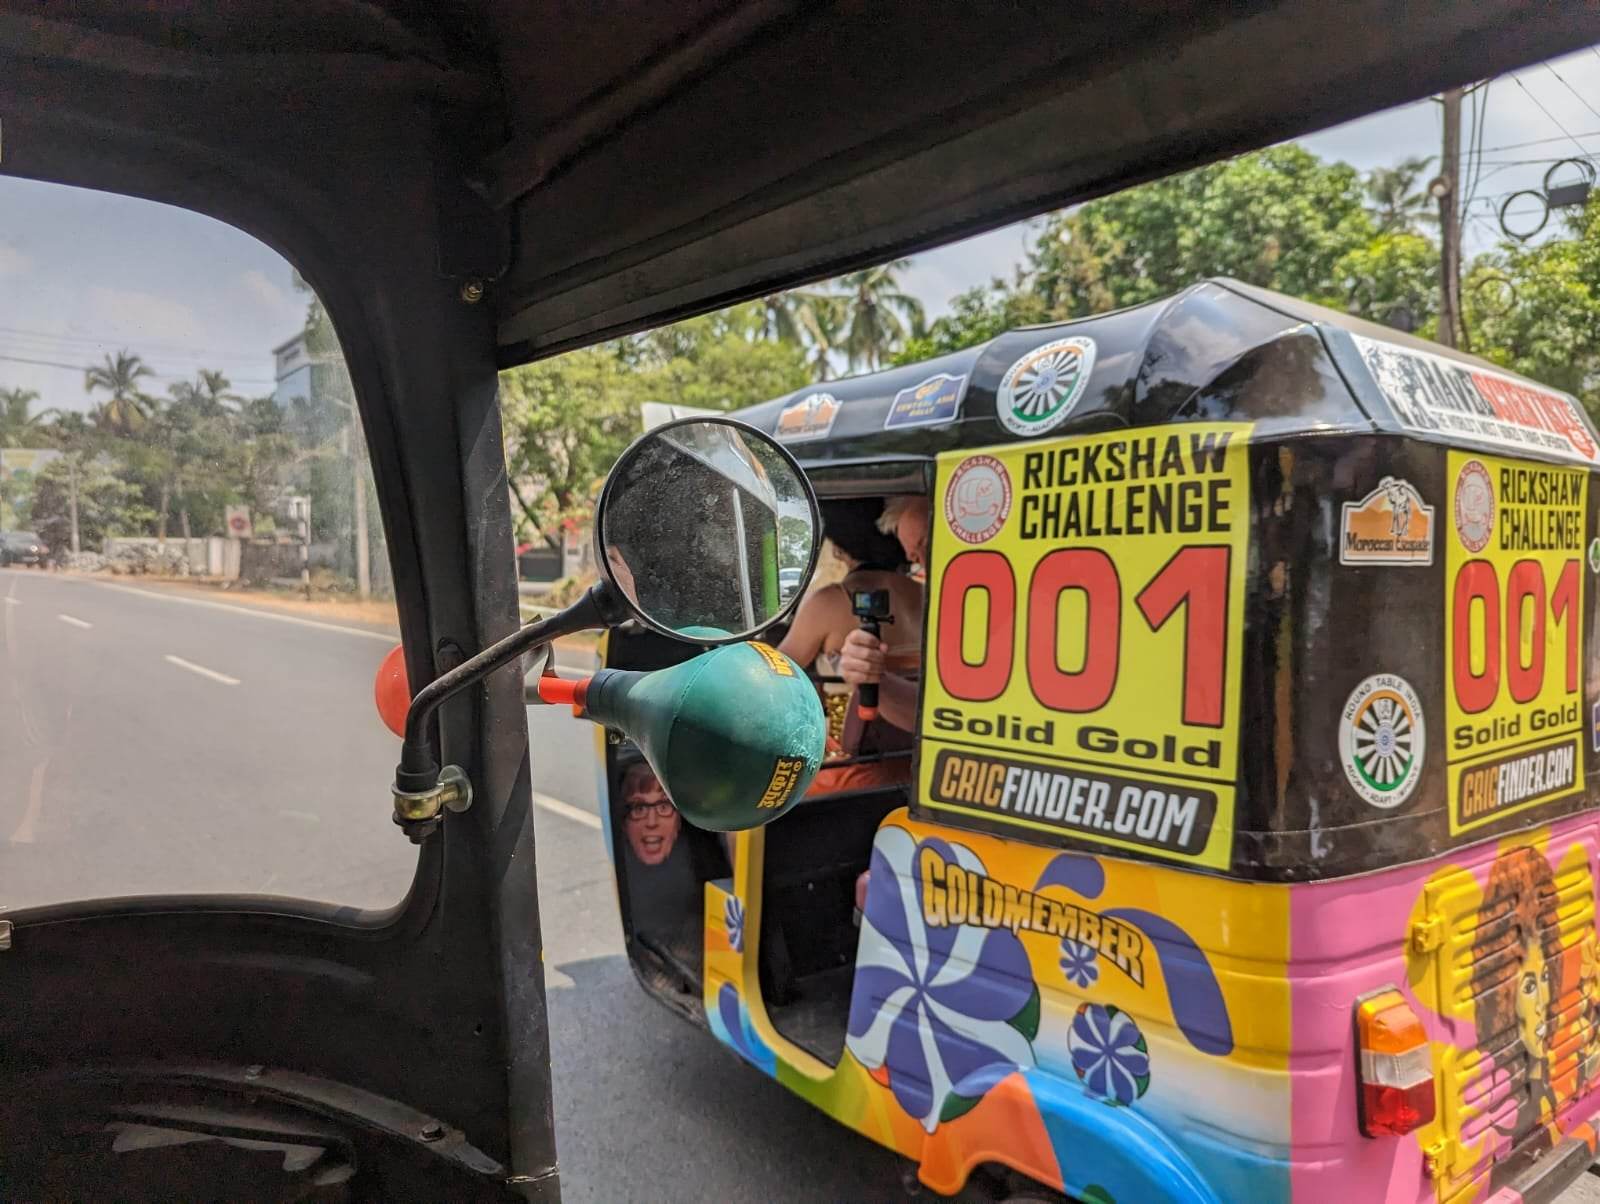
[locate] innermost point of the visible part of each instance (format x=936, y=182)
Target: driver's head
x=908, y=518
x=650, y=820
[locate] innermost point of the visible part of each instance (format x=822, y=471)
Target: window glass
x=194, y=587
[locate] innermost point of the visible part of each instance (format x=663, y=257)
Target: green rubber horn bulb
x=735, y=734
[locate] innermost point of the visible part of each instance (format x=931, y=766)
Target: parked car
x=23, y=547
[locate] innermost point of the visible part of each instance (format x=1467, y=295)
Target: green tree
x=80, y=500
x=565, y=421
x=19, y=425
x=1397, y=204
x=126, y=410
x=877, y=315
x=1394, y=279
x=976, y=316
x=1280, y=218
x=1535, y=308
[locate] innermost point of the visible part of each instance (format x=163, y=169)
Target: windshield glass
x=194, y=587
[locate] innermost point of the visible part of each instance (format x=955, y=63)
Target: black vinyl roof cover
x=606, y=167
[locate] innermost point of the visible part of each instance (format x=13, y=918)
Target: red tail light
x=1396, y=1066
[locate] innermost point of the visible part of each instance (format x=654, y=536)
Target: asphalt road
x=146, y=738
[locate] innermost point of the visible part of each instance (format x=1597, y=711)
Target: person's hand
x=861, y=658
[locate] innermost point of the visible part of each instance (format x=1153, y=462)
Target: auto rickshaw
x=470, y=186
x=1250, y=848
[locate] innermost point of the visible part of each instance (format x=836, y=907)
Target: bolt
x=472, y=292
x=431, y=1131
x=253, y=1072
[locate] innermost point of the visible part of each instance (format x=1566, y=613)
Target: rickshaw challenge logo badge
x=977, y=500
x=1391, y=525
x=1039, y=392
x=1474, y=506
x=1382, y=740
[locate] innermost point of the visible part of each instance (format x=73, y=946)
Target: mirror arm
x=418, y=770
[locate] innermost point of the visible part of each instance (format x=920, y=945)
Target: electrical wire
x=38, y=363
x=1571, y=89
x=1551, y=116
x=1539, y=141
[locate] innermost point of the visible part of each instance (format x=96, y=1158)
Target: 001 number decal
x=1195, y=580
x=1481, y=619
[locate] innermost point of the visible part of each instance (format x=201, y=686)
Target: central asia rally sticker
x=1085, y=640
x=935, y=401
x=1383, y=740
x=1515, y=596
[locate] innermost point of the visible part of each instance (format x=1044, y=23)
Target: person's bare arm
x=819, y=614
x=861, y=660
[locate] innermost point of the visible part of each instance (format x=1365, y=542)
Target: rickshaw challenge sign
x=1086, y=612
x=1515, y=597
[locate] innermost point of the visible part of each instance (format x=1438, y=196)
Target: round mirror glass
x=709, y=529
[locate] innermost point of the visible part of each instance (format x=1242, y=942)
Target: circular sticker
x=1040, y=390
x=977, y=499
x=1382, y=740
x=1594, y=554
x=1474, y=506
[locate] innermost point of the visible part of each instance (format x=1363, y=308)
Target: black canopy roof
x=1219, y=349
x=607, y=166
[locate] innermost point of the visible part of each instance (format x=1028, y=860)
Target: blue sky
x=85, y=273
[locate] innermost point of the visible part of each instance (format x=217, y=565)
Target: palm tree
x=819, y=322
x=1397, y=204
x=19, y=426
x=878, y=314
x=207, y=396
x=127, y=409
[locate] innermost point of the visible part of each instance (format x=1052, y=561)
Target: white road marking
x=566, y=810
x=201, y=670
x=251, y=611
x=74, y=622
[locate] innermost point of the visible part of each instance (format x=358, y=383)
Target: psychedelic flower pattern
x=1077, y=963
x=1109, y=1053
x=733, y=921
x=947, y=1011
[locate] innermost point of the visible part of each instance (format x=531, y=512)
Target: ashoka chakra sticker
x=1383, y=740
x=1040, y=390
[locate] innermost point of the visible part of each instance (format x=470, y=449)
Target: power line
x=1537, y=141
x=1571, y=89
x=1551, y=116
x=18, y=359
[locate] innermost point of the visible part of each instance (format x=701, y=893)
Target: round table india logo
x=1040, y=390
x=1474, y=506
x=977, y=499
x=1383, y=740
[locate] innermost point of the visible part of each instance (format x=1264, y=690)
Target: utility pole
x=1447, y=189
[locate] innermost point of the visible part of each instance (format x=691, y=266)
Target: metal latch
x=1438, y=1157
x=418, y=812
x=1427, y=934
x=5, y=935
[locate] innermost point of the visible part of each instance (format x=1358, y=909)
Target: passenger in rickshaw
x=873, y=561
x=864, y=658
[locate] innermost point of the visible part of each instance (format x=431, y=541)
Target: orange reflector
x=1396, y=1066
x=392, y=692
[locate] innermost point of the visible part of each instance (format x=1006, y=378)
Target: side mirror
x=707, y=531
